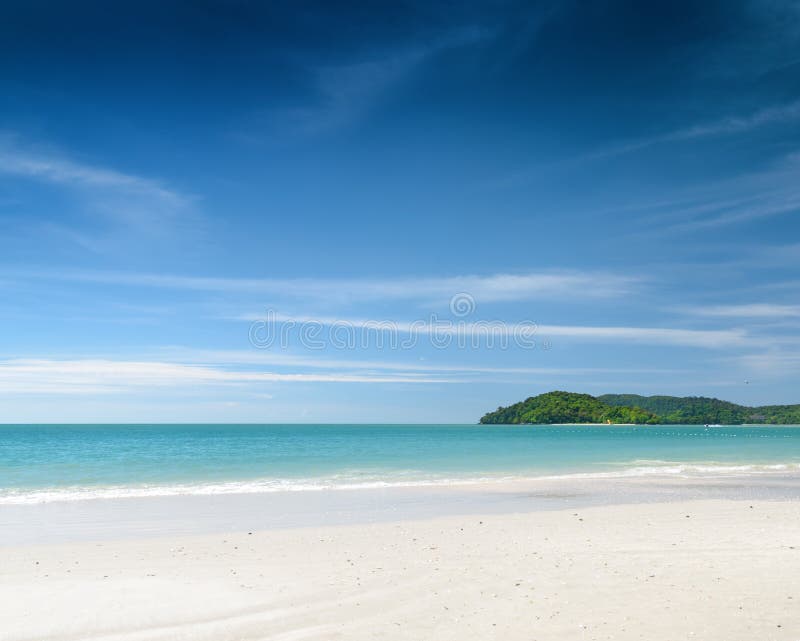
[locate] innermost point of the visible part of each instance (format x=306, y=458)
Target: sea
x=49, y=463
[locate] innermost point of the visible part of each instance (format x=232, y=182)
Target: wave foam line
x=27, y=497
x=683, y=470
x=264, y=486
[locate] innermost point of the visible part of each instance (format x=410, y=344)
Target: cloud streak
x=284, y=359
x=202, y=370
x=728, y=125
x=712, y=339
x=747, y=198
x=491, y=288
x=751, y=310
x=344, y=92
x=725, y=126
x=60, y=170
x=113, y=204
x=526, y=334
x=66, y=172
x=100, y=376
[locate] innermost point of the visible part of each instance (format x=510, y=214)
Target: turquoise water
x=67, y=462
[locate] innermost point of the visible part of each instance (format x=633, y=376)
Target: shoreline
x=654, y=469
x=106, y=519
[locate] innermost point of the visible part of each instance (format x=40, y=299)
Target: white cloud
x=715, y=338
x=63, y=171
x=525, y=331
x=751, y=310
x=99, y=376
x=284, y=359
x=210, y=369
x=771, y=363
x=58, y=169
x=491, y=288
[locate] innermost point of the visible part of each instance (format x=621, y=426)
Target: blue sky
x=176, y=176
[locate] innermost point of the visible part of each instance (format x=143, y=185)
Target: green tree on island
x=570, y=407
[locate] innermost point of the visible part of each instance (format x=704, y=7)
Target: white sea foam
x=633, y=469
x=27, y=497
x=684, y=470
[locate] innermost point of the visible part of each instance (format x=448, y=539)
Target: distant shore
x=766, y=425
x=595, y=424
x=554, y=407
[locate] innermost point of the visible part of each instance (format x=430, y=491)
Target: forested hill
x=697, y=410
x=569, y=407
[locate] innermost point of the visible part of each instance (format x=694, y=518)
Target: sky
x=394, y=212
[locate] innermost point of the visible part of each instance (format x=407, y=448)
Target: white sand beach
x=723, y=570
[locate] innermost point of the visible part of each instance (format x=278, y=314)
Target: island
x=570, y=407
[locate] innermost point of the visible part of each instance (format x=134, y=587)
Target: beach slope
x=711, y=570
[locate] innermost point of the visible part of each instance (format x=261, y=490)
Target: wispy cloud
x=228, y=370
x=724, y=214
x=489, y=288
x=727, y=125
x=724, y=126
x=342, y=93
x=745, y=198
x=111, y=200
x=774, y=114
x=345, y=92
x=97, y=376
x=770, y=364
x=338, y=361
x=63, y=171
x=529, y=332
x=750, y=310
x=715, y=339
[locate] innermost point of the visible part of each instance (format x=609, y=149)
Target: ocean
x=44, y=463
